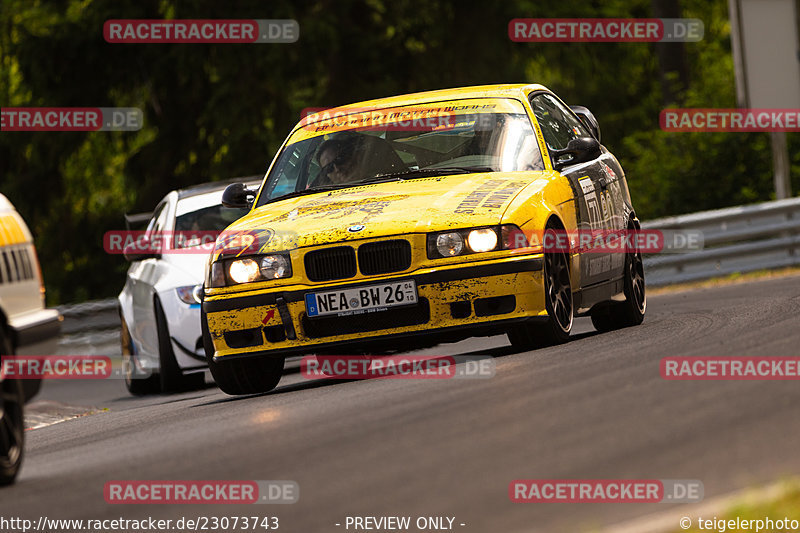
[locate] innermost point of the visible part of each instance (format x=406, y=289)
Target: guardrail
x=736, y=239
x=89, y=316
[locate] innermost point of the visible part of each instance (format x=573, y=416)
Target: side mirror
x=237, y=195
x=588, y=120
x=577, y=151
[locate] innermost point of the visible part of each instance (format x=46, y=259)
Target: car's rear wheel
x=171, y=376
x=558, y=303
x=12, y=434
x=617, y=315
x=246, y=375
x=137, y=382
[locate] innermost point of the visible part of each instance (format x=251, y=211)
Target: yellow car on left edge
x=420, y=219
x=26, y=328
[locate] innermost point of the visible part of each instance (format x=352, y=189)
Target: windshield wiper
x=426, y=172
x=312, y=190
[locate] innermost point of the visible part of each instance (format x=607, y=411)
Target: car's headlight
x=275, y=266
x=449, y=244
x=190, y=294
x=243, y=271
x=216, y=275
x=249, y=270
x=474, y=240
x=482, y=240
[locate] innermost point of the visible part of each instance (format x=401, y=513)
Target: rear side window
x=27, y=269
x=15, y=265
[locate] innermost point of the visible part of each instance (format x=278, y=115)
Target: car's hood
x=393, y=208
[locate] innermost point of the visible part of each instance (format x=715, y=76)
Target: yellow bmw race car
x=421, y=219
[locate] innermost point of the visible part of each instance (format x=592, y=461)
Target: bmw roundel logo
x=355, y=228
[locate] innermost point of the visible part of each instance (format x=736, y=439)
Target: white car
x=162, y=347
x=26, y=328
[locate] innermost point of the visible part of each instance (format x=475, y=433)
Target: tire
x=558, y=303
x=12, y=434
x=617, y=315
x=247, y=375
x=137, y=382
x=170, y=375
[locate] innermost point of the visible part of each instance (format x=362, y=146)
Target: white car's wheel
x=170, y=374
x=137, y=382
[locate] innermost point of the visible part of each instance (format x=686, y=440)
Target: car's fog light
x=243, y=271
x=275, y=266
x=449, y=244
x=482, y=240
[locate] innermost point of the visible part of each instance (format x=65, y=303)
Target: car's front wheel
x=12, y=435
x=558, y=303
x=245, y=375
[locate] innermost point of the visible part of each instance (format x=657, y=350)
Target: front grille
x=316, y=328
x=384, y=257
x=331, y=263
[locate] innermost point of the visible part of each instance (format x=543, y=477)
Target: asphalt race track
x=593, y=408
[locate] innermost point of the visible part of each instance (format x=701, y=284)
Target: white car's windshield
x=214, y=218
x=400, y=144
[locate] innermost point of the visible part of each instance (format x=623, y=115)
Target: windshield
x=494, y=135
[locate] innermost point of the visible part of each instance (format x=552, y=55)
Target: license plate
x=359, y=300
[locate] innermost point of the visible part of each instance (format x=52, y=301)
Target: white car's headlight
x=190, y=294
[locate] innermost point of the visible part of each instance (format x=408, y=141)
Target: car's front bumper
x=456, y=301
